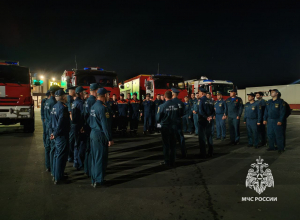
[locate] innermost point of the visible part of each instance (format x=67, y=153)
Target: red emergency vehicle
x=160, y=83
x=16, y=103
x=224, y=86
x=105, y=79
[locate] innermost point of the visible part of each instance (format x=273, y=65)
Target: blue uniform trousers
x=234, y=129
x=275, y=133
x=79, y=150
x=88, y=156
x=60, y=156
x=180, y=138
x=99, y=153
x=251, y=125
x=220, y=126
x=134, y=123
x=147, y=122
x=47, y=149
x=262, y=133
x=205, y=135
x=169, y=144
x=52, y=153
x=72, y=140
x=195, y=118
x=187, y=124
x=44, y=132
x=212, y=127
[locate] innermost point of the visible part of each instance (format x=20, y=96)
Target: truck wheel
x=29, y=126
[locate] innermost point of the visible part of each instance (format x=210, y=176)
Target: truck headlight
x=24, y=110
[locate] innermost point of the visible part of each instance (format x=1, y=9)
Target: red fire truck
x=160, y=83
x=153, y=84
x=210, y=85
x=105, y=79
x=16, y=103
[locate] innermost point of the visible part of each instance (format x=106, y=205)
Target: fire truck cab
x=160, y=83
x=89, y=75
x=224, y=86
x=16, y=103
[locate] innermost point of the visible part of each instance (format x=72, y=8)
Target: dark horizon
x=249, y=44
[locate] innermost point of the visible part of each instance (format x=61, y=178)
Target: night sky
x=251, y=44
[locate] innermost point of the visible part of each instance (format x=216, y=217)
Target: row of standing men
x=77, y=130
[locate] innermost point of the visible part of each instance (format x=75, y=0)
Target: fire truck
x=105, y=79
x=153, y=84
x=16, y=103
x=135, y=84
x=210, y=85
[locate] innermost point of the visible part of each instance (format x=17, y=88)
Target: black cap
x=251, y=94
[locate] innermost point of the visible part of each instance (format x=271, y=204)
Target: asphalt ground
x=139, y=188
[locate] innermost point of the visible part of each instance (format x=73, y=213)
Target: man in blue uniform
x=208, y=95
x=220, y=109
x=187, y=114
x=274, y=117
x=162, y=98
x=87, y=129
x=179, y=133
x=115, y=111
x=252, y=119
x=50, y=144
x=123, y=114
x=109, y=105
x=47, y=153
x=101, y=139
x=135, y=110
x=157, y=103
x=191, y=101
x=234, y=110
x=261, y=128
x=167, y=115
x=195, y=115
x=70, y=100
x=60, y=126
x=205, y=111
x=77, y=121
x=148, y=108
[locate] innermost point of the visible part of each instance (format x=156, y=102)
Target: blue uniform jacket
x=148, y=108
x=262, y=103
x=123, y=108
x=193, y=103
x=167, y=114
x=99, y=119
x=275, y=110
x=60, y=120
x=157, y=103
x=187, y=109
x=205, y=108
x=220, y=106
x=234, y=107
x=253, y=111
x=43, y=102
x=77, y=112
x=135, y=109
x=180, y=107
x=70, y=100
x=48, y=108
x=87, y=109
